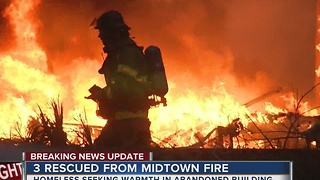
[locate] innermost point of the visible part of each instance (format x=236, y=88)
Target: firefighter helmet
x=110, y=19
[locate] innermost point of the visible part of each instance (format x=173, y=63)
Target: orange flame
x=28, y=83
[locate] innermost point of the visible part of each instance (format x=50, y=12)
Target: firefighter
x=124, y=101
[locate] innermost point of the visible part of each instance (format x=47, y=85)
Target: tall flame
x=23, y=70
x=25, y=77
x=27, y=50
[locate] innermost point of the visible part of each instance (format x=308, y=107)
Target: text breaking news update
x=141, y=166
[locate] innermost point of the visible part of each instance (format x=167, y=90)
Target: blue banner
x=160, y=167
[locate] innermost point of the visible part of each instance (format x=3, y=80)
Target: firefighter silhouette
x=130, y=81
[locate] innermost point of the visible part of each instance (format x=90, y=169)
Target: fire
x=199, y=112
x=27, y=49
x=27, y=84
x=22, y=68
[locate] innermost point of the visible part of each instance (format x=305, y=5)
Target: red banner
x=10, y=171
x=88, y=156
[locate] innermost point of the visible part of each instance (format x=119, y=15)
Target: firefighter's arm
x=98, y=93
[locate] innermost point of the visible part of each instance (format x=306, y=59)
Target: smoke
x=251, y=45
x=179, y=28
x=274, y=37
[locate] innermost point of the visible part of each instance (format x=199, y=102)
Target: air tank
x=157, y=73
